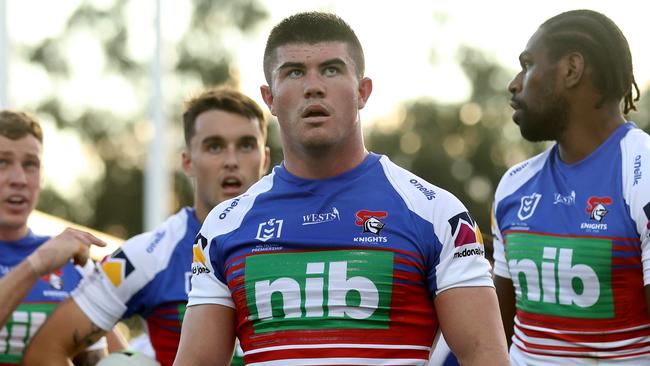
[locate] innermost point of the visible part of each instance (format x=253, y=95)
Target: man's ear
x=186, y=163
x=573, y=69
x=365, y=89
x=267, y=96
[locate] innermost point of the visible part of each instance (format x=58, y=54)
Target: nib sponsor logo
x=117, y=267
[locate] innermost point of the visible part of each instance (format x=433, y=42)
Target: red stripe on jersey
x=328, y=353
x=591, y=355
x=587, y=338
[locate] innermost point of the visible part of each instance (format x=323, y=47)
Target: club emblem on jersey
x=596, y=207
x=371, y=220
x=269, y=229
x=528, y=205
x=54, y=279
x=464, y=230
x=117, y=267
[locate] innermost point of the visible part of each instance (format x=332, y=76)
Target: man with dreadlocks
x=571, y=230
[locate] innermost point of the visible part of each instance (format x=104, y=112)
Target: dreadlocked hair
x=603, y=46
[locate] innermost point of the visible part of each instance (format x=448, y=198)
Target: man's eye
x=330, y=71
x=214, y=148
x=295, y=73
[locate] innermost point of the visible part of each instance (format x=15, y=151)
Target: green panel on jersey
x=319, y=290
x=20, y=327
x=561, y=276
x=182, y=307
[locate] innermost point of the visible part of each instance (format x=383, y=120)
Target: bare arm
x=506, y=295
x=53, y=254
x=67, y=332
x=207, y=337
x=470, y=321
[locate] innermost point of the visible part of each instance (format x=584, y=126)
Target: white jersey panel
x=207, y=288
x=456, y=268
x=103, y=295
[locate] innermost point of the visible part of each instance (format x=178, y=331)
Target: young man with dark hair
x=225, y=134
x=339, y=257
x=571, y=230
x=36, y=272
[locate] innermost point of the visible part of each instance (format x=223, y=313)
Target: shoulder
x=228, y=215
x=154, y=248
x=520, y=173
x=421, y=197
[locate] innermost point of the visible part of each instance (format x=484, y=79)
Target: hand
x=57, y=251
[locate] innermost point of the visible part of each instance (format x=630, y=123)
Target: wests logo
x=596, y=207
x=371, y=220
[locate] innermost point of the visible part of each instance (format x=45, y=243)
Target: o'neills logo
x=428, y=193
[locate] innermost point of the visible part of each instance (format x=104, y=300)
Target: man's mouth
x=231, y=183
x=315, y=111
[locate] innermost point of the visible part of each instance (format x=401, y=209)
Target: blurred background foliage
x=463, y=147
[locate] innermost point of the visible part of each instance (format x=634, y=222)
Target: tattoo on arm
x=90, y=358
x=81, y=341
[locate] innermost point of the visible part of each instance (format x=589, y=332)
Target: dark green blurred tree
x=114, y=203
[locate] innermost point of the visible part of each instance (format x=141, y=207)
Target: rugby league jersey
x=574, y=241
x=337, y=271
x=40, y=302
x=148, y=276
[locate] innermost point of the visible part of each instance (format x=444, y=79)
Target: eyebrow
x=330, y=62
x=219, y=139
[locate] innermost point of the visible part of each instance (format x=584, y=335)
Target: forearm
x=66, y=333
x=89, y=358
x=14, y=287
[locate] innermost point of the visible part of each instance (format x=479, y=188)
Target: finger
x=81, y=257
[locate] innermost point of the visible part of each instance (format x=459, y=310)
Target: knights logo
x=117, y=267
x=269, y=229
x=55, y=279
x=464, y=230
x=596, y=207
x=371, y=221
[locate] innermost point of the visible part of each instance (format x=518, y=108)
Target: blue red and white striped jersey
x=148, y=276
x=40, y=302
x=337, y=271
x=574, y=241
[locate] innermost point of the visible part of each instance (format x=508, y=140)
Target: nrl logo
x=528, y=205
x=269, y=229
x=370, y=221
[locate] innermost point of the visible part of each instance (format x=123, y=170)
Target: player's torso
x=574, y=257
x=344, y=263
x=152, y=276
x=41, y=301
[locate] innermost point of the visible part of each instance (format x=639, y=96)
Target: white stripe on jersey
x=337, y=345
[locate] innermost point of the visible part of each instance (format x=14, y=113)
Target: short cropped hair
x=15, y=125
x=311, y=28
x=225, y=99
x=604, y=48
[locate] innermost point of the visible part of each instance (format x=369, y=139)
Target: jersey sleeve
x=461, y=261
x=500, y=263
x=106, y=295
x=636, y=190
x=208, y=281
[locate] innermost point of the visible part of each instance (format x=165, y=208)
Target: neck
x=13, y=233
x=588, y=128
x=324, y=163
